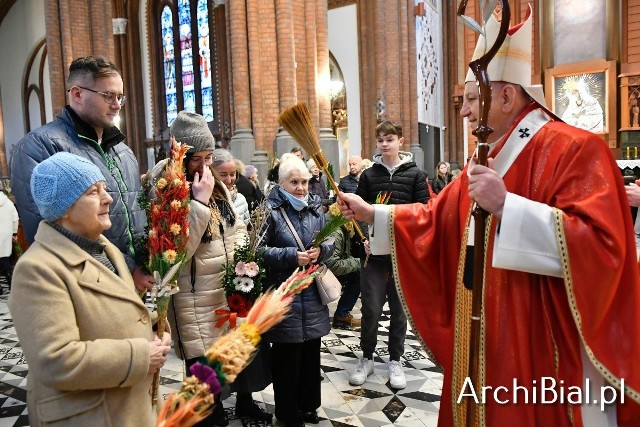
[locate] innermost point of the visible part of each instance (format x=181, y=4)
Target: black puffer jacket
x=309, y=319
x=406, y=182
x=115, y=160
x=318, y=187
x=439, y=183
x=348, y=184
x=250, y=192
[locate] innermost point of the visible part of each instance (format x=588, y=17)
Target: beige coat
x=85, y=334
x=191, y=310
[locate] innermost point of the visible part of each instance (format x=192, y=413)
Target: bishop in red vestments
x=560, y=326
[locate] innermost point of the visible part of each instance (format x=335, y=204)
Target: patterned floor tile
x=374, y=404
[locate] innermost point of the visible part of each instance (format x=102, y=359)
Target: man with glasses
x=86, y=127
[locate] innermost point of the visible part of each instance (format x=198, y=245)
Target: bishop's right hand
x=352, y=206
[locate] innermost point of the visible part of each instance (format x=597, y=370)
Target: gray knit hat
x=60, y=180
x=192, y=129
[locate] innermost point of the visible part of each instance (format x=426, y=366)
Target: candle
x=628, y=153
x=635, y=152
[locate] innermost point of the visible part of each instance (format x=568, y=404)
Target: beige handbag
x=328, y=285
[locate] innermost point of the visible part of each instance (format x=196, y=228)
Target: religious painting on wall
x=583, y=95
x=580, y=100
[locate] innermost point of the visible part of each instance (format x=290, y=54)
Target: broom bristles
x=297, y=121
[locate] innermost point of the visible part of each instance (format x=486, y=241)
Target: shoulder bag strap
x=293, y=230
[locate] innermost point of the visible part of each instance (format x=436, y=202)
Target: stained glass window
x=189, y=75
x=169, y=62
x=204, y=54
x=186, y=48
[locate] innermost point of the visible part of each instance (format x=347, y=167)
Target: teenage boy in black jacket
x=395, y=175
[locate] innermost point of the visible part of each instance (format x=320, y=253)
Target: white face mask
x=297, y=204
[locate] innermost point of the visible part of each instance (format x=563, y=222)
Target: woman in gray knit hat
x=214, y=231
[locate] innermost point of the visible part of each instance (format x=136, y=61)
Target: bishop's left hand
x=487, y=189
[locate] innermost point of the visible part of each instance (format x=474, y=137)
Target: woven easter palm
x=297, y=121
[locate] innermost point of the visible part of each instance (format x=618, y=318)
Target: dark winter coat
x=439, y=183
x=114, y=158
x=309, y=318
x=406, y=182
x=319, y=188
x=348, y=184
x=250, y=192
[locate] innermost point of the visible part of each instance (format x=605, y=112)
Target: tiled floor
x=372, y=404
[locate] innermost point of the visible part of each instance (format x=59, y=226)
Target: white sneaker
x=364, y=368
x=396, y=375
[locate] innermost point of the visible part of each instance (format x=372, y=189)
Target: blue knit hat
x=59, y=181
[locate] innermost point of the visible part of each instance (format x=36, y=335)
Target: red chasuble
x=532, y=325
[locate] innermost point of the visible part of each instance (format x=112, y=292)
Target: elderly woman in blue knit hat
x=84, y=331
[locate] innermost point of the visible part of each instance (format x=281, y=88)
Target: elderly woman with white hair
x=296, y=341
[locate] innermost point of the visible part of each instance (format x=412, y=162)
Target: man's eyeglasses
x=108, y=96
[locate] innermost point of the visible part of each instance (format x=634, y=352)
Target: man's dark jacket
x=348, y=184
x=68, y=132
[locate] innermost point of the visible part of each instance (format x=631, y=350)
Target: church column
x=286, y=64
x=119, y=26
x=263, y=71
x=243, y=143
x=127, y=57
x=328, y=140
x=453, y=87
x=311, y=64
x=255, y=80
x=368, y=98
x=388, y=63
x=324, y=78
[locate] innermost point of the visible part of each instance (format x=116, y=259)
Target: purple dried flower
x=206, y=375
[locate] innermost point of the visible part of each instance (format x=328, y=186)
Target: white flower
x=243, y=284
x=237, y=283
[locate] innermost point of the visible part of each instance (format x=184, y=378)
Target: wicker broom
x=297, y=121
